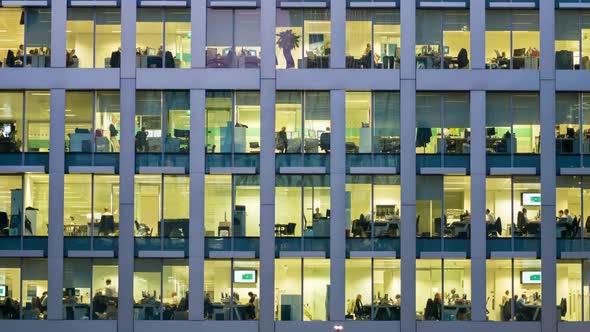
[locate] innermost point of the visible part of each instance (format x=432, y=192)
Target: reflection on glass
x=512, y=39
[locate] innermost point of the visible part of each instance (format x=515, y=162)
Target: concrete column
x=338, y=34
x=268, y=20
x=337, y=204
x=548, y=182
x=126, y=204
x=267, y=204
x=128, y=30
x=56, y=203
x=59, y=12
x=478, y=207
x=408, y=212
x=477, y=26
x=198, y=33
x=408, y=40
x=196, y=236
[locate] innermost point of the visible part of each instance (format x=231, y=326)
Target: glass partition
x=302, y=117
x=231, y=289
x=302, y=289
x=514, y=289
x=373, y=39
x=303, y=38
x=25, y=37
x=512, y=39
x=512, y=123
x=373, y=289
x=163, y=38
x=442, y=39
x=233, y=38
x=302, y=205
x=93, y=38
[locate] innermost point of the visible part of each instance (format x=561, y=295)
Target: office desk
x=174, y=228
x=500, y=145
x=321, y=227
x=529, y=312
x=525, y=62
x=456, y=311
x=453, y=145
x=460, y=228
x=221, y=311
x=386, y=312
x=280, y=229
x=76, y=230
x=380, y=228
x=146, y=311
x=76, y=311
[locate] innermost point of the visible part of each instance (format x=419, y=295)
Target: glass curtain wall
x=572, y=49
x=93, y=38
x=302, y=122
x=163, y=38
x=442, y=39
x=25, y=37
x=303, y=38
x=373, y=39
x=512, y=39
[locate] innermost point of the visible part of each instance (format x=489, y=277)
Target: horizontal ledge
x=373, y=170
x=233, y=4
x=22, y=169
x=435, y=4
x=160, y=254
x=512, y=5
x=161, y=170
x=443, y=170
x=232, y=170
x=91, y=253
x=513, y=170
x=513, y=254
x=443, y=254
x=16, y=3
x=302, y=254
x=92, y=169
x=294, y=4
x=21, y=253
x=231, y=254
x=93, y=3
x=574, y=5
x=303, y=170
x=575, y=255
x=373, y=254
x=574, y=171
x=163, y=3
x=368, y=4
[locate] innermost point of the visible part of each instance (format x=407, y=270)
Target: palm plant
x=288, y=41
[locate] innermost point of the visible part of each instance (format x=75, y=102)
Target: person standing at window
x=114, y=133
x=281, y=140
x=109, y=290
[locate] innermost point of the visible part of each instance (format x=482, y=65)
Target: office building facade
x=273, y=165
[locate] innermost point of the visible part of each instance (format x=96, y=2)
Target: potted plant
x=287, y=41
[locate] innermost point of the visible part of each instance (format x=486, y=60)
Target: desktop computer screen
x=6, y=129
x=3, y=291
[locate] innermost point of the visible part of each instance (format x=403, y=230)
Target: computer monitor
x=184, y=133
x=3, y=291
x=327, y=213
x=490, y=131
x=252, y=53
x=447, y=50
x=69, y=292
x=6, y=129
x=570, y=133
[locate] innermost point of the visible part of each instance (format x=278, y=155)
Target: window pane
x=218, y=289
x=220, y=39
x=247, y=210
x=148, y=191
x=78, y=216
x=428, y=123
x=13, y=35
x=105, y=283
x=569, y=288
x=316, y=205
x=175, y=289
x=147, y=282
x=37, y=204
x=106, y=205
x=37, y=121
x=359, y=288
x=78, y=121
x=148, y=121
x=317, y=122
x=528, y=289
x=80, y=38
x=429, y=292
x=176, y=207
x=567, y=39
x=358, y=122
x=38, y=36
x=177, y=106
x=386, y=120
x=457, y=201
x=11, y=204
x=218, y=209
x=387, y=39
x=359, y=189
x=289, y=40
x=456, y=126
x=34, y=289
x=386, y=281
x=288, y=206
x=77, y=289
x=288, y=115
x=288, y=286
x=178, y=38
x=316, y=280
x=10, y=272
x=247, y=118
x=246, y=289
x=247, y=38
x=108, y=38
x=149, y=38
x=11, y=121
x=499, y=202
x=499, y=289
x=219, y=119
x=106, y=119
x=429, y=195
x=457, y=289
x=359, y=45
x=316, y=39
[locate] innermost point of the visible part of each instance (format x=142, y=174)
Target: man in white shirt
x=566, y=212
x=110, y=290
x=489, y=217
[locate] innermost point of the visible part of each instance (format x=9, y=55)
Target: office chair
x=142, y=229
x=290, y=230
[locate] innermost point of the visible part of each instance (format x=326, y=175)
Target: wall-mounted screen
x=530, y=199
x=3, y=290
x=245, y=276
x=530, y=277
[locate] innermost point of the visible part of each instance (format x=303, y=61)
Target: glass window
x=572, y=209
x=233, y=38
x=231, y=290
x=163, y=38
x=512, y=123
x=24, y=211
x=161, y=206
x=34, y=288
x=372, y=39
x=372, y=122
x=442, y=39
x=573, y=285
x=443, y=289
x=92, y=115
x=91, y=204
x=374, y=206
x=162, y=121
x=37, y=108
x=373, y=289
x=220, y=192
x=446, y=117
x=93, y=38
x=26, y=37
x=572, y=123
x=11, y=121
x=442, y=206
x=302, y=289
x=312, y=126
x=302, y=205
x=10, y=275
x=512, y=39
x=160, y=289
x=303, y=38
x=514, y=286
x=233, y=121
x=514, y=205
x=90, y=286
